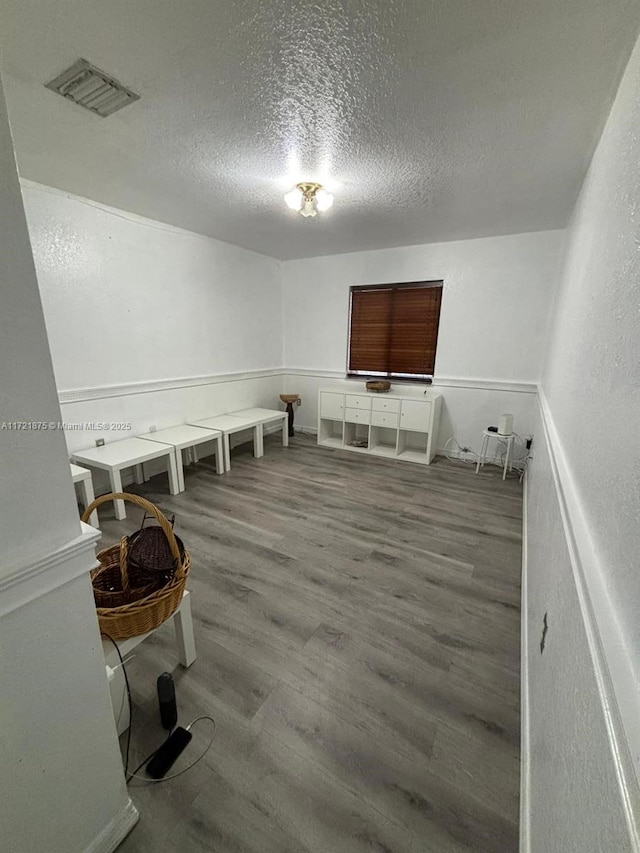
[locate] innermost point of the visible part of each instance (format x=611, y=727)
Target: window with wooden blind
x=393, y=330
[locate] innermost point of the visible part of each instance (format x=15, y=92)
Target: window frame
x=415, y=378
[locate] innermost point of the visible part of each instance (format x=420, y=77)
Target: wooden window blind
x=394, y=330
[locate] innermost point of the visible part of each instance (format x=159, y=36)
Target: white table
x=183, y=624
x=82, y=477
x=229, y=424
x=130, y=453
x=508, y=439
x=186, y=436
x=267, y=416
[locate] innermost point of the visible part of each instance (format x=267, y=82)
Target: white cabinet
x=331, y=405
x=384, y=404
x=357, y=416
x=415, y=415
x=357, y=401
x=384, y=419
x=393, y=425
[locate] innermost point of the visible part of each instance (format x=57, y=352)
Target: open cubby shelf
x=394, y=426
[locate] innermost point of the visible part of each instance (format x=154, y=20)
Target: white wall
x=31, y=510
x=61, y=782
x=493, y=325
x=584, y=535
x=131, y=303
x=127, y=299
x=571, y=797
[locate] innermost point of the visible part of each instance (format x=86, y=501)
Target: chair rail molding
x=102, y=392
x=438, y=382
x=39, y=577
x=613, y=668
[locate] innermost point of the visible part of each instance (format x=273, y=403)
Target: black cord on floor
x=129, y=776
x=184, y=770
x=145, y=760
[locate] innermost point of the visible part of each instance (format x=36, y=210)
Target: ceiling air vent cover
x=89, y=87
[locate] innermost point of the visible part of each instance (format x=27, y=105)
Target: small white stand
x=186, y=437
x=183, y=625
x=129, y=453
x=508, y=439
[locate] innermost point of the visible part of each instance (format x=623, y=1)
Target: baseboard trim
x=614, y=672
x=525, y=738
x=115, y=831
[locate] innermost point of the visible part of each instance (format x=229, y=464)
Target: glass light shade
x=308, y=208
x=324, y=199
x=294, y=199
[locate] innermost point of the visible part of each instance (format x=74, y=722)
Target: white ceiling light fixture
x=308, y=198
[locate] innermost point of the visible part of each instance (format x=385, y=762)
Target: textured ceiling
x=429, y=119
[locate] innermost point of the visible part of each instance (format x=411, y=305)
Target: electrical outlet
x=99, y=442
x=299, y=402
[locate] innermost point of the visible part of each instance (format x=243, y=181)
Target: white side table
x=130, y=453
x=82, y=477
x=267, y=416
x=227, y=425
x=508, y=439
x=185, y=643
x=184, y=436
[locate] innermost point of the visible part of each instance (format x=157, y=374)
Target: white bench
x=170, y=442
x=186, y=436
x=230, y=424
x=267, y=416
x=130, y=453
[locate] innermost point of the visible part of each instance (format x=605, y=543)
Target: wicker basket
x=378, y=386
x=113, y=583
x=128, y=617
x=149, y=560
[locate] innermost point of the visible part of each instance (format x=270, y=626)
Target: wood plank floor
x=357, y=629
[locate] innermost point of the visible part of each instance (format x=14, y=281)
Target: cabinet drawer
x=384, y=419
x=415, y=415
x=357, y=416
x=358, y=401
x=331, y=406
x=380, y=404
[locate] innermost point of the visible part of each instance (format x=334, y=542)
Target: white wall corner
x=38, y=577
x=115, y=831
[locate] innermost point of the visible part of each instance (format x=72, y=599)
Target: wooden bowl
x=289, y=398
x=378, y=386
